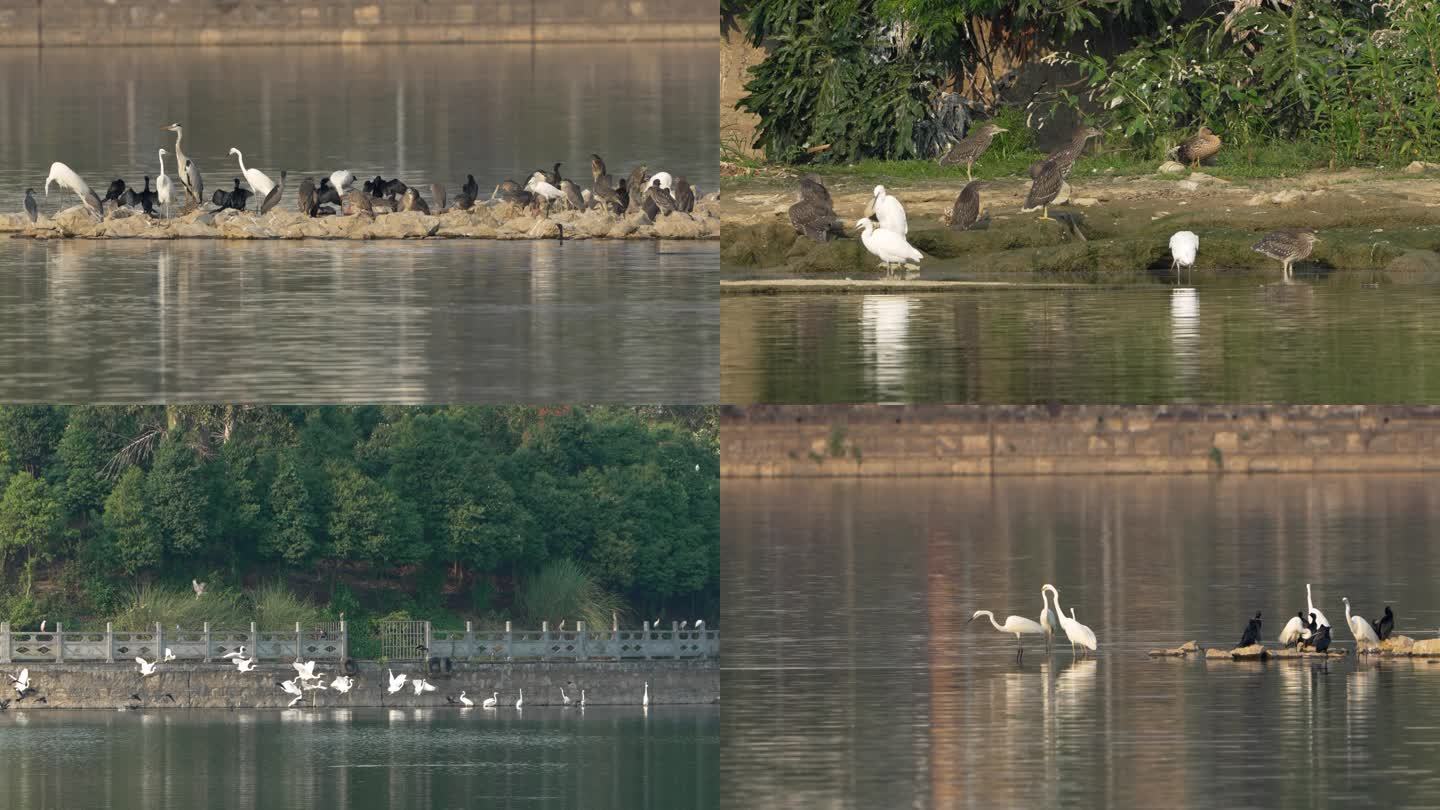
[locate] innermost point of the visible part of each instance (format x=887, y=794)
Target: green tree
x=28, y=435
x=87, y=445
x=30, y=519
x=291, y=528
x=132, y=536
x=179, y=500
x=369, y=522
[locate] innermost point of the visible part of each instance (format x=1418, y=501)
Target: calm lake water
x=851, y=678
x=361, y=758
x=319, y=322
x=1321, y=341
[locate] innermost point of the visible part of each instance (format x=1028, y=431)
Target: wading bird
x=305, y=671
x=1183, y=247
x=1252, y=632
x=421, y=685
x=520, y=701
x=1048, y=620
x=970, y=149
x=814, y=214
x=1295, y=631
x=342, y=683
x=490, y=702
x=564, y=697
x=886, y=245
x=189, y=172
x=162, y=188
x=244, y=664
x=1015, y=625
x=465, y=701
x=1044, y=189
x=21, y=682
x=582, y=698
x=645, y=700
x=65, y=177
x=260, y=183
x=240, y=653
x=397, y=682
x=31, y=209
x=888, y=211
x=1287, y=246
x=1315, y=612
x=1365, y=635
x=1077, y=633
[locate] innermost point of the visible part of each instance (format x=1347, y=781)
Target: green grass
x=563, y=590
x=271, y=607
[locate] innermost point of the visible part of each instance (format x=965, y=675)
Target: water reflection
x=853, y=680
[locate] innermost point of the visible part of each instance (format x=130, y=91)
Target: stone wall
x=279, y=22
x=220, y=686
x=833, y=441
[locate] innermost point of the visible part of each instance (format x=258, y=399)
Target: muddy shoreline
x=1113, y=229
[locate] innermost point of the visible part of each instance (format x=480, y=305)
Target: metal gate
x=400, y=641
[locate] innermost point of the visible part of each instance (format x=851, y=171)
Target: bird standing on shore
x=271, y=200
x=966, y=210
x=1183, y=247
x=886, y=245
x=1064, y=158
x=814, y=214
x=1044, y=189
x=1198, y=147
x=31, y=209
x=971, y=148
x=1287, y=246
x=888, y=211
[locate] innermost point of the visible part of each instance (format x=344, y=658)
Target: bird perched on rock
x=605, y=195
x=966, y=210
x=31, y=209
x=306, y=197
x=814, y=215
x=1287, y=246
x=573, y=199
x=684, y=195
x=970, y=149
x=271, y=200
x=116, y=189
x=412, y=201
x=638, y=185
x=1385, y=625
x=1200, y=146
x=1252, y=632
x=661, y=197
x=359, y=203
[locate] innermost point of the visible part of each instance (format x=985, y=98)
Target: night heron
x=162, y=185
x=661, y=196
x=412, y=201
x=814, y=214
x=1195, y=149
x=684, y=195
x=306, y=199
x=639, y=181
x=189, y=172
x=360, y=203
x=1064, y=157
x=1044, y=189
x=605, y=194
x=971, y=148
x=271, y=200
x=888, y=211
x=597, y=168
x=260, y=183
x=967, y=206
x=66, y=177
x=888, y=246
x=1287, y=246
x=573, y=198
x=31, y=209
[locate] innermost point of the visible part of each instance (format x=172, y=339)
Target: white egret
x=520, y=701
x=1183, y=247
x=700, y=624
x=1015, y=625
x=1295, y=631
x=1365, y=636
x=294, y=700
x=65, y=177
x=240, y=653
x=489, y=703
x=244, y=664
x=306, y=671
x=318, y=684
x=421, y=685
x=1048, y=620
x=341, y=180
x=291, y=688
x=1076, y=632
x=1319, y=617
x=397, y=682
x=886, y=245
x=169, y=656
x=564, y=696
x=147, y=668
x=22, y=682
x=465, y=701
x=162, y=188
x=888, y=211
x=645, y=701
x=259, y=182
x=342, y=683
x=582, y=698
x=539, y=185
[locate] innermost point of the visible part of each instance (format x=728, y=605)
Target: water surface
x=851, y=678
x=1315, y=341
x=361, y=758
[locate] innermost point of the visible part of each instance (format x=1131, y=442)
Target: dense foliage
x=455, y=507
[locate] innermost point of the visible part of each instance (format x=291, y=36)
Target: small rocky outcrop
x=1177, y=652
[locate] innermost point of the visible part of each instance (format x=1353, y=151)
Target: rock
x=1428, y=646
x=681, y=225
x=1170, y=167
x=1062, y=197
x=1213, y=653
x=1202, y=178
x=1415, y=167
x=1176, y=652
x=544, y=229
x=1190, y=646
x=1254, y=651
x=1188, y=185
x=1084, y=202
x=1258, y=199
x=1288, y=196
x=1397, y=645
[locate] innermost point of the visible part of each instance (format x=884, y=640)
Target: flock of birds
x=1306, y=629
x=656, y=195
x=813, y=214
x=1080, y=635
x=306, y=680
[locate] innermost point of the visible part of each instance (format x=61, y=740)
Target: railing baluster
x=59, y=643
x=109, y=643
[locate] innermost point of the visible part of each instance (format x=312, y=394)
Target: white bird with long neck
x=582, y=698
x=147, y=668
x=397, y=682
x=162, y=190
x=1184, y=245
x=520, y=701
x=564, y=696
x=188, y=172
x=21, y=682
x=886, y=245
x=1014, y=625
x=1294, y=632
x=539, y=185
x=306, y=670
x=260, y=183
x=645, y=701
x=465, y=701
x=341, y=180
x=65, y=177
x=342, y=683
x=1365, y=635
x=1320, y=620
x=1048, y=620
x=490, y=702
x=888, y=211
x=422, y=685
x=1076, y=632
x=244, y=664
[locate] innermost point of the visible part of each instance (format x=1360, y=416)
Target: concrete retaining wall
x=278, y=22
x=834, y=441
x=215, y=686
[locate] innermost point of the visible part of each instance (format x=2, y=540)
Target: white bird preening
x=397, y=682
x=65, y=177
x=888, y=211
x=664, y=178
x=1365, y=636
x=1294, y=632
x=1076, y=632
x=421, y=685
x=490, y=702
x=1183, y=247
x=1048, y=620
x=147, y=668
x=886, y=245
x=1320, y=620
x=244, y=664
x=465, y=701
x=342, y=683
x=1015, y=625
x=341, y=180
x=260, y=183
x=162, y=191
x=520, y=701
